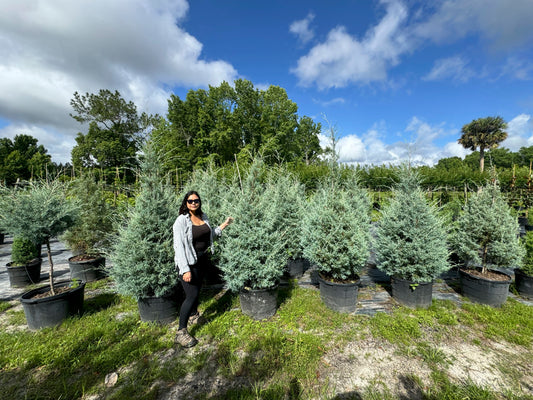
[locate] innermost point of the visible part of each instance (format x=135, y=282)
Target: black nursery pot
x=340, y=297
x=295, y=268
x=259, y=303
x=162, y=310
x=484, y=291
x=52, y=310
x=87, y=270
x=523, y=283
x=412, y=294
x=25, y=275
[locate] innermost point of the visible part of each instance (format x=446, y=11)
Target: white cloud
x=301, y=28
x=519, y=133
x=342, y=59
x=49, y=50
x=518, y=68
x=371, y=148
x=453, y=68
x=59, y=144
x=502, y=23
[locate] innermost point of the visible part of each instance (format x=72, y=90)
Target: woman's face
x=193, y=203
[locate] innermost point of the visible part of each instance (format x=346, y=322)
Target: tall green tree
x=116, y=130
x=218, y=124
x=22, y=158
x=483, y=133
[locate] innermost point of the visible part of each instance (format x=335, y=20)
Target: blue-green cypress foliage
x=336, y=228
x=486, y=232
x=411, y=237
x=253, y=249
x=143, y=255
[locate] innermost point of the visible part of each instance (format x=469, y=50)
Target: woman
x=193, y=238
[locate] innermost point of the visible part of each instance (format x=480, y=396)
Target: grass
x=281, y=358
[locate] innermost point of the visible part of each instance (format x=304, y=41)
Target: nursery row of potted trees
x=276, y=223
x=36, y=213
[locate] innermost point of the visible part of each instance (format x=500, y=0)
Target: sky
x=395, y=79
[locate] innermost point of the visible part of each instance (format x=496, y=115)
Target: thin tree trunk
x=49, y=252
x=481, y=159
x=484, y=262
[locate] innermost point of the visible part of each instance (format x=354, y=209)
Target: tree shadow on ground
x=100, y=302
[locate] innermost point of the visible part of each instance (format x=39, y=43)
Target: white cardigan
x=184, y=253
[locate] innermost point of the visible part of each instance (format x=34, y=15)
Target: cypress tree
x=411, y=238
x=143, y=255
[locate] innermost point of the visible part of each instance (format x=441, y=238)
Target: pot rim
x=36, y=260
x=520, y=272
x=27, y=297
x=465, y=272
x=96, y=257
x=357, y=280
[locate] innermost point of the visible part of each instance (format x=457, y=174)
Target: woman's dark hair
x=183, y=207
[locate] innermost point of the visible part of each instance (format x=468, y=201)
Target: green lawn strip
x=513, y=322
x=69, y=360
x=278, y=357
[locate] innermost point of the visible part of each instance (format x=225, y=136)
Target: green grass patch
x=4, y=305
x=279, y=358
x=513, y=322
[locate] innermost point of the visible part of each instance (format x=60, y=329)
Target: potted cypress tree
x=292, y=194
x=252, y=254
x=485, y=236
x=90, y=235
x=142, y=254
x=411, y=242
x=25, y=266
x=336, y=238
x=39, y=212
x=524, y=274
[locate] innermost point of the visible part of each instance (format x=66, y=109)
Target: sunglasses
x=194, y=201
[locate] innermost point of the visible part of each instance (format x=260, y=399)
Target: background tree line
x=224, y=124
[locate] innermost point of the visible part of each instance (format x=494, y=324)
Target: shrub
x=22, y=251
x=91, y=232
x=487, y=232
x=143, y=257
x=253, y=251
x=336, y=227
x=411, y=238
x=38, y=212
x=527, y=263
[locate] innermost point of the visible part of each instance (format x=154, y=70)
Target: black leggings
x=192, y=290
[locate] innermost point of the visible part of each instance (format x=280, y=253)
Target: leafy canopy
x=483, y=133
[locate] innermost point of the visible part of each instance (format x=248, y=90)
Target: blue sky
x=396, y=78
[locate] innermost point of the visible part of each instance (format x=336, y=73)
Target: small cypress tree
x=289, y=193
x=527, y=264
x=22, y=251
x=486, y=232
x=91, y=233
x=253, y=251
x=143, y=257
x=411, y=239
x=38, y=212
x=336, y=228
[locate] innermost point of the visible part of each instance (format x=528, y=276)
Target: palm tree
x=485, y=133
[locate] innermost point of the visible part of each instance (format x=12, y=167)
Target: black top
x=201, y=238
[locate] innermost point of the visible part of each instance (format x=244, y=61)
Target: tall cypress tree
x=143, y=257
